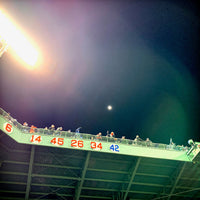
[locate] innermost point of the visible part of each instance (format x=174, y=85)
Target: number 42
x=114, y=147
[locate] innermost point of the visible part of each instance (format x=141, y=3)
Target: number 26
x=77, y=143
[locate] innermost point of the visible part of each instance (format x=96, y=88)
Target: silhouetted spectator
x=58, y=130
x=99, y=136
x=52, y=129
x=137, y=140
x=7, y=116
x=77, y=132
x=123, y=140
x=112, y=134
x=14, y=121
x=25, y=124
x=107, y=134
x=148, y=142
x=46, y=130
x=25, y=127
x=32, y=129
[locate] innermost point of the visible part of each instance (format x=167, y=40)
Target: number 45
x=57, y=141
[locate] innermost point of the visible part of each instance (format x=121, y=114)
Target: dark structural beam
x=80, y=184
x=132, y=177
x=176, y=181
x=30, y=172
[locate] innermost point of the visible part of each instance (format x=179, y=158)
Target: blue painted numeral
x=117, y=148
x=114, y=147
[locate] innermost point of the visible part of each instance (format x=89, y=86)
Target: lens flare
x=17, y=41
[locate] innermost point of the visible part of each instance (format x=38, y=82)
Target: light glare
x=17, y=41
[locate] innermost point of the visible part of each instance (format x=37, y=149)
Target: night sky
x=141, y=57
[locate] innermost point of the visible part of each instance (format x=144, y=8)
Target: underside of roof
x=38, y=172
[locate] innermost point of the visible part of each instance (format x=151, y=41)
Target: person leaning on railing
x=137, y=140
x=123, y=140
x=25, y=124
x=46, y=130
x=99, y=136
x=77, y=133
x=52, y=129
x=14, y=121
x=148, y=142
x=25, y=127
x=112, y=137
x=112, y=134
x=58, y=130
x=8, y=117
x=32, y=129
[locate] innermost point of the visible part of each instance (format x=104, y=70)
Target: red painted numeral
x=96, y=145
x=77, y=143
x=36, y=139
x=60, y=141
x=80, y=143
x=57, y=141
x=8, y=127
x=99, y=146
x=53, y=141
x=74, y=143
x=93, y=145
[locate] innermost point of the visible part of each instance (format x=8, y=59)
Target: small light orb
x=109, y=107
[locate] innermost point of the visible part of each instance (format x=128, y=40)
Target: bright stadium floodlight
x=15, y=39
x=3, y=46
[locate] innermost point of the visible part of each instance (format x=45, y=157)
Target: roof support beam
x=80, y=184
x=176, y=181
x=13, y=173
x=16, y=162
x=107, y=170
x=30, y=172
x=132, y=177
x=69, y=195
x=55, y=176
x=153, y=175
x=77, y=178
x=94, y=197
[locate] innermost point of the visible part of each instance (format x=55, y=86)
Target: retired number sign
x=96, y=145
x=77, y=143
x=114, y=147
x=8, y=128
x=57, y=141
x=36, y=139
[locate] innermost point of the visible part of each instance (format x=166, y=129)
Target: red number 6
x=8, y=127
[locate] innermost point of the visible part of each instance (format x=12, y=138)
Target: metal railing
x=85, y=136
